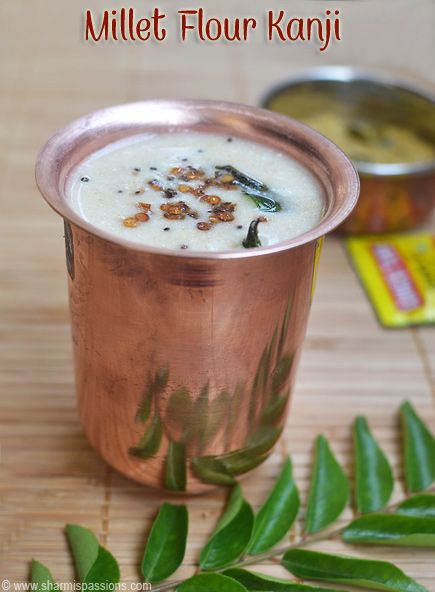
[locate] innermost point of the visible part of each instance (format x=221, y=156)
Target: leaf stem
x=305, y=540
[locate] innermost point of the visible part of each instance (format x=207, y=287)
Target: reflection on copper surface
x=194, y=425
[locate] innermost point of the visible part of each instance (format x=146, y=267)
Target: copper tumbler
x=184, y=360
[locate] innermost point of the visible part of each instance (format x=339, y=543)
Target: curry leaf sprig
x=241, y=538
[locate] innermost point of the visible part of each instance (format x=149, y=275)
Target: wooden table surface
x=49, y=473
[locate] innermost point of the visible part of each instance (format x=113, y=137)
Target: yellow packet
x=398, y=275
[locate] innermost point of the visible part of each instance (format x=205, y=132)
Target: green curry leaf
x=419, y=450
x=365, y=573
x=84, y=546
x=374, y=480
x=166, y=545
x=105, y=570
x=40, y=577
x=252, y=239
x=256, y=582
x=418, y=505
x=391, y=529
x=329, y=489
x=265, y=202
x=94, y=564
x=231, y=535
x=210, y=583
x=277, y=514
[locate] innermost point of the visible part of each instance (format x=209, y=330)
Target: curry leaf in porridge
x=259, y=192
x=252, y=240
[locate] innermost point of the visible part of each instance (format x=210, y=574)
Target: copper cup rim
x=96, y=130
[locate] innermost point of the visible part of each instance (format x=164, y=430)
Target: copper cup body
x=185, y=361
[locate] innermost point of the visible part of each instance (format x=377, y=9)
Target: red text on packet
x=397, y=277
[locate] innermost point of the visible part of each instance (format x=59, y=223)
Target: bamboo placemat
x=50, y=475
